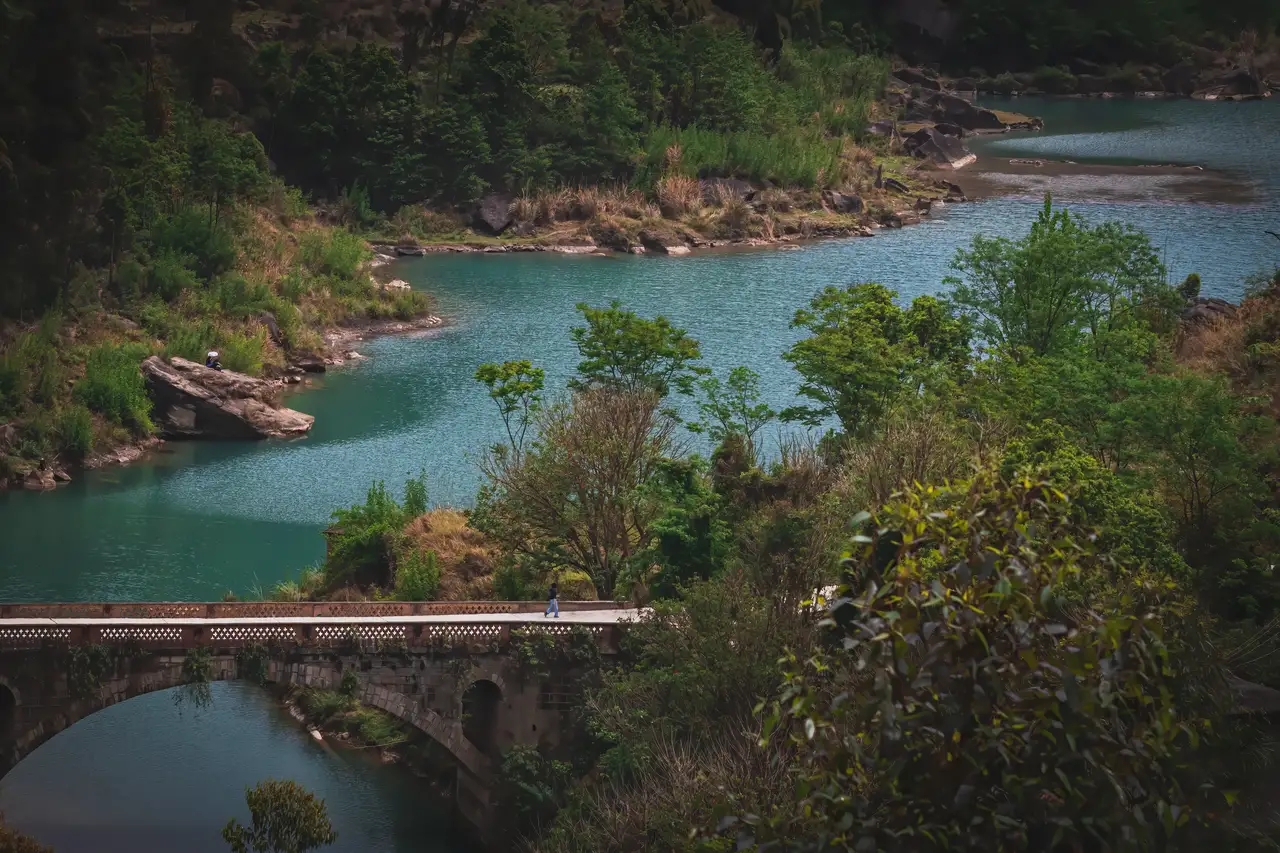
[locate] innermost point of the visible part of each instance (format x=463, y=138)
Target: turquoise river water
x=200, y=519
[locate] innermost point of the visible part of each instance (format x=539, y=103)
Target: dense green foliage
x=961, y=707
x=626, y=353
x=365, y=539
x=1005, y=644
x=516, y=389
x=286, y=818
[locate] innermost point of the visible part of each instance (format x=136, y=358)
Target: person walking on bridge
x=553, y=602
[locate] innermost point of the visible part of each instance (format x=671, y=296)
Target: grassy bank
x=680, y=210
x=261, y=286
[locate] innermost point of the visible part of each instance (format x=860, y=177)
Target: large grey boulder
x=917, y=77
x=663, y=242
x=842, y=202
x=494, y=212
x=1207, y=310
x=953, y=109
x=945, y=151
x=194, y=401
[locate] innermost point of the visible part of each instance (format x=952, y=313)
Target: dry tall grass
x=735, y=215
x=465, y=557
x=678, y=195
x=580, y=204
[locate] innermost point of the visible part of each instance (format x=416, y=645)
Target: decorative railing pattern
x=307, y=625
x=230, y=635
x=277, y=609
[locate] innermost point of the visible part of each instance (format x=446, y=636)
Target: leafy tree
x=733, y=407
x=726, y=86
x=508, y=67
x=959, y=707
x=863, y=352
x=1132, y=524
x=625, y=352
x=531, y=787
x=690, y=540
x=286, y=818
x=225, y=165
x=516, y=389
x=609, y=122
x=354, y=117
x=1194, y=428
x=1063, y=280
x=455, y=153
x=577, y=496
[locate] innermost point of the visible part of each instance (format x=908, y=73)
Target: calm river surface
x=203, y=519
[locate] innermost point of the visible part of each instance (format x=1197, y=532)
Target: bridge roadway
x=446, y=669
x=188, y=624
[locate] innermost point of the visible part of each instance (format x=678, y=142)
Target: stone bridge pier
x=448, y=670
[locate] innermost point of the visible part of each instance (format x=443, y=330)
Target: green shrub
x=289, y=320
x=322, y=705
x=365, y=536
x=30, y=368
x=1005, y=84
x=374, y=727
x=288, y=202
x=354, y=208
x=171, y=273
x=1127, y=79
x=799, y=157
x=75, y=431
x=192, y=233
x=334, y=253
x=243, y=352
x=417, y=575
x=296, y=284
x=131, y=278
x=1190, y=287
x=956, y=705
x=113, y=385
x=1057, y=81
x=531, y=787
x=190, y=341
x=236, y=297
x=350, y=684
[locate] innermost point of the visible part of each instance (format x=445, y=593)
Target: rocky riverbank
x=193, y=402
x=734, y=214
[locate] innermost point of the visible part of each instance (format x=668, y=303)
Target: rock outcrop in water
x=193, y=401
x=949, y=152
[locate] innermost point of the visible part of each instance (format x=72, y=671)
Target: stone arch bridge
x=445, y=668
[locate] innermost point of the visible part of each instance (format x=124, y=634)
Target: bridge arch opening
x=480, y=705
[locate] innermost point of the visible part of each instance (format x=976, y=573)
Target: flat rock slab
x=194, y=401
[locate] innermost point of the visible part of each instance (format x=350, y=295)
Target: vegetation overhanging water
x=207, y=518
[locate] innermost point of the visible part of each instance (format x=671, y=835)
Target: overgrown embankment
x=262, y=285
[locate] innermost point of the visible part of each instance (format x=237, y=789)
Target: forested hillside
x=160, y=163
x=993, y=36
